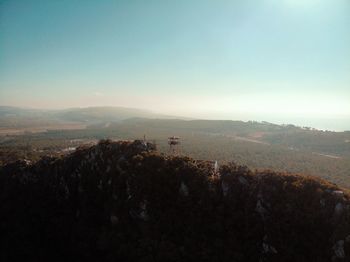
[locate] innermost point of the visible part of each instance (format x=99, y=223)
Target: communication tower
x=174, y=142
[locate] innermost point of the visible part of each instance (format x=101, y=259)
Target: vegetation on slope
x=123, y=201
x=256, y=145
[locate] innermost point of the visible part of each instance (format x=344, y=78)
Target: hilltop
x=124, y=201
x=18, y=120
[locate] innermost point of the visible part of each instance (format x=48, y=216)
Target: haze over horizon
x=279, y=61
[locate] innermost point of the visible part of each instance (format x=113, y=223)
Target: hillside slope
x=15, y=117
x=123, y=201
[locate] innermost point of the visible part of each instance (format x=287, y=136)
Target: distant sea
x=336, y=123
x=330, y=124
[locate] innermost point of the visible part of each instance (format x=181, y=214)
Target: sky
x=273, y=60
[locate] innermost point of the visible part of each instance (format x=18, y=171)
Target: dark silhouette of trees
x=123, y=201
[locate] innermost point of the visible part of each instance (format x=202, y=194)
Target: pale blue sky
x=215, y=59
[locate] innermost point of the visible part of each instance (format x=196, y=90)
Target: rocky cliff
x=122, y=201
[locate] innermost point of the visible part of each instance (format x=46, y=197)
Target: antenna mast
x=174, y=142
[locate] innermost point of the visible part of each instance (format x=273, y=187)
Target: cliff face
x=122, y=201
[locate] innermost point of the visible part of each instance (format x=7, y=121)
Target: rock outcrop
x=122, y=201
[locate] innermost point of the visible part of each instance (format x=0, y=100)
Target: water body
x=330, y=123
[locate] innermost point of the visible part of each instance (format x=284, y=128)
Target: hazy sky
x=222, y=59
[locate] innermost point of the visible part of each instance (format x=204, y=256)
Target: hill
x=123, y=201
x=93, y=115
x=35, y=120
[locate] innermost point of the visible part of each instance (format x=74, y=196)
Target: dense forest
x=124, y=201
